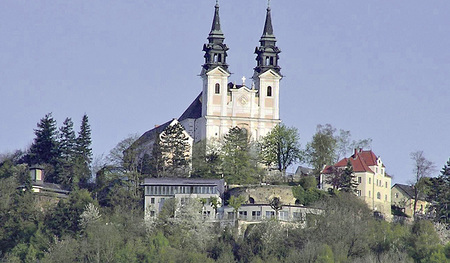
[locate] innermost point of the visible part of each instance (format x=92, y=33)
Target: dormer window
x=269, y=91
x=217, y=88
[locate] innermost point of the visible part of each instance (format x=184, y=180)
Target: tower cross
x=243, y=80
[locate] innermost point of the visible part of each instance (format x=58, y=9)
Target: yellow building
x=403, y=199
x=374, y=184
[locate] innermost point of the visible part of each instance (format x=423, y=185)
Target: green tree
x=67, y=149
x=422, y=168
x=84, y=152
x=281, y=147
x=236, y=202
x=175, y=150
x=205, y=161
x=439, y=194
x=239, y=166
x=349, y=183
x=45, y=146
x=321, y=150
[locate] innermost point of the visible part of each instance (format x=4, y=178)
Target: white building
x=158, y=190
x=221, y=104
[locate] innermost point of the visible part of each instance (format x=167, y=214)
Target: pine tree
x=44, y=149
x=440, y=194
x=175, y=149
x=67, y=149
x=348, y=179
x=84, y=152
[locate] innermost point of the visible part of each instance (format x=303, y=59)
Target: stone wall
x=262, y=194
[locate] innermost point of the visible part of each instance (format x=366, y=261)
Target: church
x=222, y=105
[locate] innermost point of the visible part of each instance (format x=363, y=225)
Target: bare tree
x=422, y=168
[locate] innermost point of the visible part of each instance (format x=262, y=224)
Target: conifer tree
x=44, y=149
x=84, y=152
x=175, y=149
x=67, y=149
x=156, y=160
x=348, y=179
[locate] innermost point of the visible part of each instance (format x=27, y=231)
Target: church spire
x=215, y=49
x=267, y=52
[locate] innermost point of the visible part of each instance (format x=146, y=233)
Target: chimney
x=37, y=173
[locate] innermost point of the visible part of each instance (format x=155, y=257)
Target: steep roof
x=150, y=135
x=194, y=111
x=360, y=160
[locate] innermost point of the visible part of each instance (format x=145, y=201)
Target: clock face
x=243, y=99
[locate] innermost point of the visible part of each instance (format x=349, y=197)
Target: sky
x=380, y=69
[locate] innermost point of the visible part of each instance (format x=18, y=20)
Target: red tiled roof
x=361, y=160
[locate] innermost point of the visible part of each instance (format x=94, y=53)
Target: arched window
x=269, y=91
x=271, y=61
x=215, y=57
x=267, y=61
x=217, y=89
x=378, y=195
x=220, y=58
x=251, y=200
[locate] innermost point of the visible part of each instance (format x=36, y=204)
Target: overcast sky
x=380, y=69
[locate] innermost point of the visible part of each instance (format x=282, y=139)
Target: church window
x=217, y=89
x=215, y=57
x=269, y=91
x=220, y=58
x=271, y=61
x=267, y=61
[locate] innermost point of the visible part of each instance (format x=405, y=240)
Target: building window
x=359, y=179
x=284, y=215
x=370, y=180
x=396, y=195
x=358, y=192
x=378, y=195
x=256, y=215
x=385, y=197
x=270, y=214
x=251, y=200
x=370, y=194
x=152, y=200
x=385, y=184
x=152, y=213
x=217, y=88
x=242, y=214
x=269, y=91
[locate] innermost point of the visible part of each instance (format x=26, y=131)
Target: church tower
x=225, y=105
x=267, y=76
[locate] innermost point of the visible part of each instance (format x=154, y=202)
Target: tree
x=236, y=203
x=422, y=168
x=84, y=152
x=67, y=149
x=238, y=164
x=439, y=194
x=45, y=146
x=345, y=145
x=276, y=204
x=206, y=162
x=321, y=150
x=281, y=147
x=175, y=150
x=348, y=179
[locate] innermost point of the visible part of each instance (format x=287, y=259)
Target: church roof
x=194, y=111
x=151, y=134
